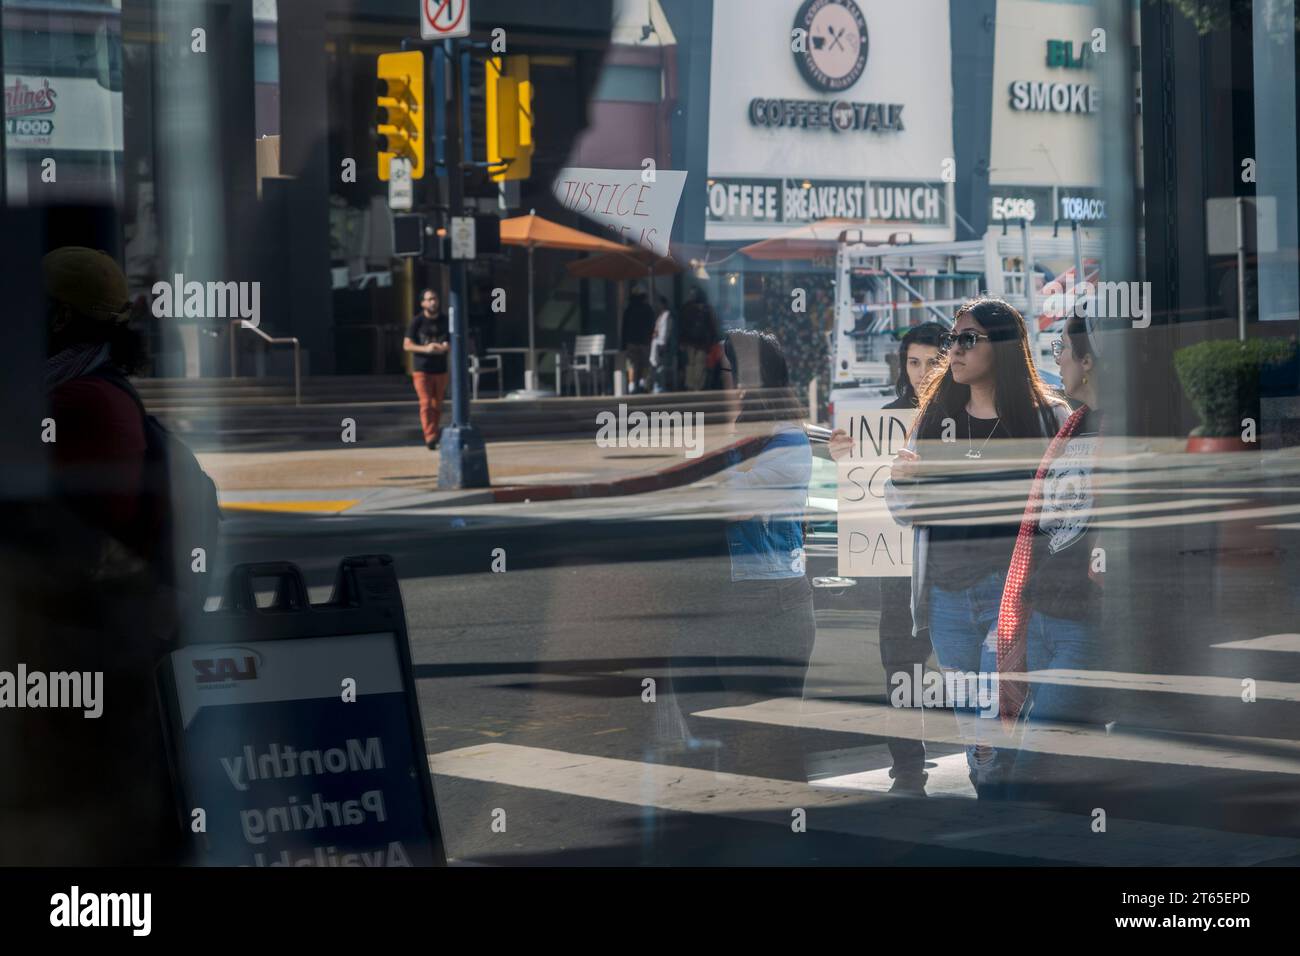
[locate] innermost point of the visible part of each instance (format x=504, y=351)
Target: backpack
x=181, y=511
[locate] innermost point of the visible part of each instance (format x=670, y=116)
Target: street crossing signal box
x=400, y=110
x=509, y=110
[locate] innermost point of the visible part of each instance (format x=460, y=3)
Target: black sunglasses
x=963, y=340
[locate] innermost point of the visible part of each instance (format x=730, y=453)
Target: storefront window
x=538, y=336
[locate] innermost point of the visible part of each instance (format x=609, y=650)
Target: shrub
x=1221, y=380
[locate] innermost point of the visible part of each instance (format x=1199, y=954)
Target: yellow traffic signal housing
x=399, y=119
x=509, y=117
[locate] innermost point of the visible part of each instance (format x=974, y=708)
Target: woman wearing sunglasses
x=985, y=392
x=1052, y=600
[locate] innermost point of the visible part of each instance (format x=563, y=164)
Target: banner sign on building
x=635, y=205
x=61, y=113
x=799, y=201
x=1013, y=203
x=829, y=109
x=871, y=543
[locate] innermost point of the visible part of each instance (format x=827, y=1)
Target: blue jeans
x=1053, y=643
x=963, y=630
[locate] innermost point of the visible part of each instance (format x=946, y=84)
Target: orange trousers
x=430, y=387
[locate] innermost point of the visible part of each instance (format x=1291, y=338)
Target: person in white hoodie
x=663, y=347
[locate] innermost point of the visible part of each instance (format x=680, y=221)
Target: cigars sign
x=61, y=112
x=635, y=205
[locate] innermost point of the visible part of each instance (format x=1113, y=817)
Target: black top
x=422, y=331
x=638, y=322
x=1060, y=583
x=961, y=554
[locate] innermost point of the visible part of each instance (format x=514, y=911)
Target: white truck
x=883, y=288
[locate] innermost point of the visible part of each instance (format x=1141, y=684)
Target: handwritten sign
x=871, y=543
x=635, y=205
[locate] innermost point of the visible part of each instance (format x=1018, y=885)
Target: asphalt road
x=532, y=692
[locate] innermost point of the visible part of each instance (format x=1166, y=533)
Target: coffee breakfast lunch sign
x=871, y=543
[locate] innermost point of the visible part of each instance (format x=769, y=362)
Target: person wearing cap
x=98, y=791
x=99, y=448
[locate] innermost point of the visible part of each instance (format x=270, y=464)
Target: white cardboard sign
x=624, y=202
x=871, y=543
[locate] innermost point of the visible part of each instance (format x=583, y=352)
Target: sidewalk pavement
x=337, y=480
x=357, y=478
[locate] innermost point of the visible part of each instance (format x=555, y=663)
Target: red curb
x=674, y=476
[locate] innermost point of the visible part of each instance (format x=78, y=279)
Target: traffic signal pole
x=463, y=457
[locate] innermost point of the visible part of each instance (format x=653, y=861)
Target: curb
x=675, y=476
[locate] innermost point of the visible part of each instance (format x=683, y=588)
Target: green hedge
x=1221, y=380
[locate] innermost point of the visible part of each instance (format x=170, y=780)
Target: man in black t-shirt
x=427, y=339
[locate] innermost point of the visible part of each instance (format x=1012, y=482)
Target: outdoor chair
x=587, y=357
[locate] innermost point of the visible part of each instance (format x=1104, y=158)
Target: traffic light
x=399, y=119
x=509, y=117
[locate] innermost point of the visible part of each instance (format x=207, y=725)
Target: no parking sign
x=442, y=19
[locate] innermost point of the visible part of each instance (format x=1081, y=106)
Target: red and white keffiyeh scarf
x=1013, y=616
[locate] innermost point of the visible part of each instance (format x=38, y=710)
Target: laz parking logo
x=219, y=670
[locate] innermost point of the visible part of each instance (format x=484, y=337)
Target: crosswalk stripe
x=1213, y=751
x=959, y=825
x=1288, y=643
x=947, y=776
x=1203, y=685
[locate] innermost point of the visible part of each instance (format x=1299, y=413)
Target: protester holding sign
x=986, y=388
x=919, y=354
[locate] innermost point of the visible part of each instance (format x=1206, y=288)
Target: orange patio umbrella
x=630, y=262
x=804, y=242
x=532, y=231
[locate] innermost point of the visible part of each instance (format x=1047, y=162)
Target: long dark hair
x=1019, y=395
x=768, y=394
x=927, y=333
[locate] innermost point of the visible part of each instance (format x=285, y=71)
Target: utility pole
x=463, y=461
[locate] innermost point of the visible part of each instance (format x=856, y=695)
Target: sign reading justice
x=871, y=543
x=636, y=205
